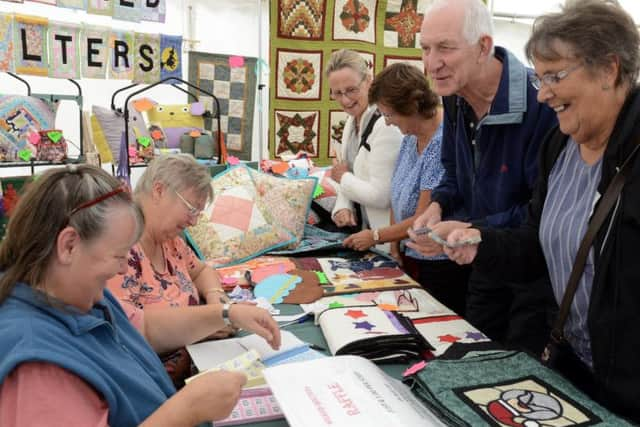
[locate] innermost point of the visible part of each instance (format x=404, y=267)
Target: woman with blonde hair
x=162, y=271
x=368, y=150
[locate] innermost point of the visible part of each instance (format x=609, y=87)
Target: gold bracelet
x=215, y=290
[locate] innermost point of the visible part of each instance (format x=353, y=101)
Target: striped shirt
x=572, y=194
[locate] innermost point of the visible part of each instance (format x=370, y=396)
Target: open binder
x=373, y=333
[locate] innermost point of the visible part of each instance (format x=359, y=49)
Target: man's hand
x=463, y=254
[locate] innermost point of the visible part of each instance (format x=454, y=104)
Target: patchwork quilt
x=233, y=81
x=302, y=117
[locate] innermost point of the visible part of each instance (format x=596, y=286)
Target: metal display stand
x=174, y=82
x=32, y=164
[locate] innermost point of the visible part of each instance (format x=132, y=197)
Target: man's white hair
x=477, y=19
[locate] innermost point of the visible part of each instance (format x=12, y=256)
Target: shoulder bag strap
x=602, y=211
x=367, y=131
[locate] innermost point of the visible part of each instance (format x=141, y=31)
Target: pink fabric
x=43, y=394
x=135, y=316
x=144, y=287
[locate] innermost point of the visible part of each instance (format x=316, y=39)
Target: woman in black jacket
x=586, y=60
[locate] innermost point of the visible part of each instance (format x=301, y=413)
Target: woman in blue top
x=405, y=100
x=62, y=331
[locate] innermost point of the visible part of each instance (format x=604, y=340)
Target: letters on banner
x=127, y=10
x=37, y=46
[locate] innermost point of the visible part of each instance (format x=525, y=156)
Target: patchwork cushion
x=235, y=227
x=286, y=201
x=21, y=117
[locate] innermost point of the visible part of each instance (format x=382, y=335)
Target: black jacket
x=614, y=311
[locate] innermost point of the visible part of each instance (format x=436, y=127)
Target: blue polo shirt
x=491, y=166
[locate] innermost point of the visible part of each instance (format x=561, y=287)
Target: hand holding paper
x=464, y=254
x=256, y=320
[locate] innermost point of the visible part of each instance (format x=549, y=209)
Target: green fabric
x=445, y=387
x=303, y=36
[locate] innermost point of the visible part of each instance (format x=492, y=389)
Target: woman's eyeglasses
x=552, y=78
x=193, y=211
x=406, y=301
x=350, y=92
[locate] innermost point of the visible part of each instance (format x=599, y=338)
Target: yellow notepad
x=248, y=363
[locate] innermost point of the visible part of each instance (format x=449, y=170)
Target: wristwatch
x=225, y=313
x=376, y=235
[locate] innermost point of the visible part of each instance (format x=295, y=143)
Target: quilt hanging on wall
x=304, y=33
x=232, y=79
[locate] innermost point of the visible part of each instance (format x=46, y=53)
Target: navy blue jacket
x=496, y=192
x=101, y=347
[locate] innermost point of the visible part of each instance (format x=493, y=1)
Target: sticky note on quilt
x=34, y=138
x=54, y=136
x=236, y=61
x=143, y=104
x=25, y=154
x=144, y=141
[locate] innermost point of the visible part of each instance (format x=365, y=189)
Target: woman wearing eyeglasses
x=70, y=354
x=162, y=271
x=368, y=150
x=587, y=61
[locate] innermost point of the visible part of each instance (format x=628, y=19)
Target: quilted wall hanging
x=233, y=80
x=304, y=33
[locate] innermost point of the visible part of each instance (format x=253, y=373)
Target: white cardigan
x=370, y=183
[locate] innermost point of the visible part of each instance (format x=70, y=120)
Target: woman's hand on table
x=360, y=241
x=257, y=320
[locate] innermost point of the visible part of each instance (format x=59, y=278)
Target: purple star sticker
x=476, y=336
x=364, y=325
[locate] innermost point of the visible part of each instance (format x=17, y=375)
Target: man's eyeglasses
x=552, y=78
x=350, y=92
x=193, y=211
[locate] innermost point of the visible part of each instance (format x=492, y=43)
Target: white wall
x=237, y=27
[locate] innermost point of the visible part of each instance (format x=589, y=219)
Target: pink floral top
x=144, y=287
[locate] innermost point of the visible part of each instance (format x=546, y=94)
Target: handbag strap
x=602, y=211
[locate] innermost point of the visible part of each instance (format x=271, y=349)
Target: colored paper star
x=448, y=338
x=336, y=304
x=364, y=325
x=476, y=336
x=355, y=314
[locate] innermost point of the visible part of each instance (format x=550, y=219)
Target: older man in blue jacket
x=493, y=128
